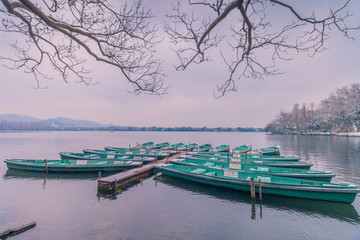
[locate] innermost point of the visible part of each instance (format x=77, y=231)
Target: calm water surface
x=69, y=206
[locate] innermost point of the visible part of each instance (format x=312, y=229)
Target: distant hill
x=15, y=122
x=18, y=118
x=67, y=122
x=59, y=122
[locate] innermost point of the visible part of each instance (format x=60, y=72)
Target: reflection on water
x=341, y=155
x=339, y=211
x=68, y=206
x=20, y=174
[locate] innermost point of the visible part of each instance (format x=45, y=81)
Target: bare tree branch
x=59, y=30
x=256, y=43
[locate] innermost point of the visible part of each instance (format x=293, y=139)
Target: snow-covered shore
x=350, y=134
x=347, y=134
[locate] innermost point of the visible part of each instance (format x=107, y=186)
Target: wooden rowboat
x=221, y=148
x=188, y=147
x=275, y=150
x=70, y=165
x=204, y=148
x=247, y=156
x=289, y=187
x=324, y=176
x=241, y=149
x=286, y=164
x=120, y=157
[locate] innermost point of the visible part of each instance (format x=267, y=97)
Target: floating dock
x=116, y=181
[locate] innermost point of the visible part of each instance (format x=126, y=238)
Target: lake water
x=69, y=206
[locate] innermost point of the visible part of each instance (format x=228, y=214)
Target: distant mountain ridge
x=16, y=122
x=59, y=122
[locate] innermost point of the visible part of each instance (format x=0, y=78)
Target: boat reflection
x=19, y=174
x=338, y=211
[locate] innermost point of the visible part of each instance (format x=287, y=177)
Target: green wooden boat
x=161, y=145
x=132, y=151
x=286, y=164
x=188, y=147
x=120, y=157
x=221, y=148
x=70, y=165
x=248, y=156
x=160, y=153
x=289, y=187
x=241, y=149
x=324, y=176
x=204, y=148
x=275, y=150
x=146, y=145
x=174, y=146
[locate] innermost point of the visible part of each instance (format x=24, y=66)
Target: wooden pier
x=119, y=180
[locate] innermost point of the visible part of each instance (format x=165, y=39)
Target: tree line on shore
x=340, y=112
x=37, y=126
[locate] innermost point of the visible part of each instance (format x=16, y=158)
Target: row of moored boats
x=217, y=166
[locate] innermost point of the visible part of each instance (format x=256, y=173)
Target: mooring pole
x=252, y=187
x=46, y=166
x=99, y=175
x=260, y=193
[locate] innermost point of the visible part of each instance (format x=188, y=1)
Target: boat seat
x=199, y=170
x=209, y=164
x=263, y=179
x=101, y=162
x=210, y=173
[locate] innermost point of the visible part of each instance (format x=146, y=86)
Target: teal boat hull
x=221, y=148
x=284, y=164
x=204, y=148
x=333, y=195
x=323, y=176
x=62, y=166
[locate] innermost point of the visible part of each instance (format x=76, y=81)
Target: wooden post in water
x=260, y=193
x=167, y=158
x=252, y=188
x=245, y=155
x=46, y=166
x=228, y=157
x=99, y=175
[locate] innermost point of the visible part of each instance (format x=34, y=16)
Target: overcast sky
x=190, y=101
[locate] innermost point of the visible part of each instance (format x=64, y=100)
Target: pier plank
x=118, y=180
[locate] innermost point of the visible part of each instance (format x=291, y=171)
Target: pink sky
x=190, y=100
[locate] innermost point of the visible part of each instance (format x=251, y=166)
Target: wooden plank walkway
x=116, y=181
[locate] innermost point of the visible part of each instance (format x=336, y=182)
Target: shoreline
x=349, y=134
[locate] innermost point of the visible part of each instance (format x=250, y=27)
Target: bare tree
x=58, y=32
x=254, y=35
x=340, y=112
